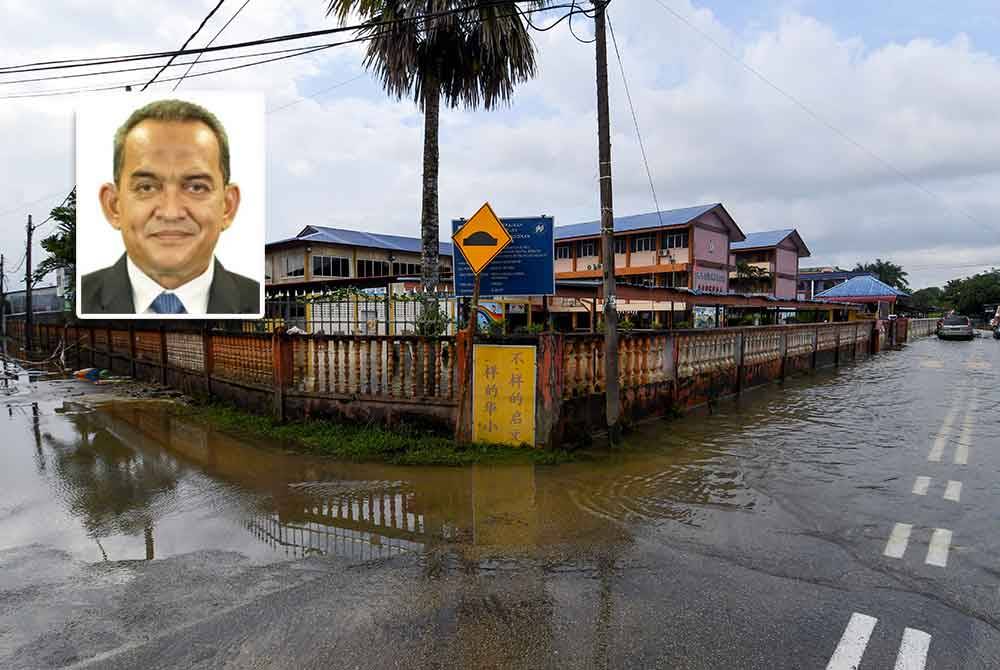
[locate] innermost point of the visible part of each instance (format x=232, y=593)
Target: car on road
x=956, y=327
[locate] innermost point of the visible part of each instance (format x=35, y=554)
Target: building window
x=587, y=248
x=643, y=243
x=621, y=245
x=331, y=266
x=675, y=240
x=373, y=269
x=407, y=269
x=295, y=266
x=563, y=251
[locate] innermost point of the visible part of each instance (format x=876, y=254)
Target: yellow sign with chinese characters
x=481, y=239
x=503, y=394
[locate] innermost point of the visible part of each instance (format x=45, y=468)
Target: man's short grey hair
x=172, y=110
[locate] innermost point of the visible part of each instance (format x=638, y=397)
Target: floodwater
x=132, y=480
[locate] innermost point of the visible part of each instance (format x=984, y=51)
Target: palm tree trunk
x=429, y=225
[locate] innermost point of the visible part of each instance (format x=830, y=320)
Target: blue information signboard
x=525, y=267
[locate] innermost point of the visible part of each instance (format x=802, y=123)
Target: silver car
x=956, y=328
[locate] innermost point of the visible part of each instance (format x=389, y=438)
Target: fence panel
x=246, y=358
x=185, y=351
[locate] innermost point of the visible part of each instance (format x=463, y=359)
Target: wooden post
x=463, y=423
x=163, y=355
x=207, y=357
x=131, y=349
x=281, y=363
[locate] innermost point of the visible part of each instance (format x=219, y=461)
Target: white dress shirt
x=193, y=295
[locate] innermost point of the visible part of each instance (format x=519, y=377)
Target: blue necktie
x=168, y=303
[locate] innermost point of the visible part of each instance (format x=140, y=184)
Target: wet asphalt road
x=805, y=526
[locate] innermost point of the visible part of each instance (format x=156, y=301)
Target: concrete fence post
x=784, y=353
x=836, y=352
x=549, y=393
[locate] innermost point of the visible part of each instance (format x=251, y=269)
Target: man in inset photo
x=171, y=199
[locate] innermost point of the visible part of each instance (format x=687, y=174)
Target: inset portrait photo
x=170, y=206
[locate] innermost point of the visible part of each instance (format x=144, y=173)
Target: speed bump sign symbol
x=482, y=238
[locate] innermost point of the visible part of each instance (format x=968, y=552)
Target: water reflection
x=142, y=469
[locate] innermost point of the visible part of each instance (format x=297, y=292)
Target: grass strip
x=402, y=445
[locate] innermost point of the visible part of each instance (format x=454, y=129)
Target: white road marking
x=913, y=650
x=896, y=546
x=942, y=437
x=965, y=439
x=853, y=643
x=937, y=552
x=920, y=486
x=954, y=491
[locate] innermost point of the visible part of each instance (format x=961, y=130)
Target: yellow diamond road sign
x=481, y=238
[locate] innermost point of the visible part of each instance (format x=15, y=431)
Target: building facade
x=813, y=281
x=321, y=255
x=686, y=248
x=767, y=263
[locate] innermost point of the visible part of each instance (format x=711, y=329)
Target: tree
x=888, y=272
x=61, y=245
x=930, y=299
x=970, y=294
x=752, y=278
x=462, y=51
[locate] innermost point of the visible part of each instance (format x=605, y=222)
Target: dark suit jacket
x=109, y=291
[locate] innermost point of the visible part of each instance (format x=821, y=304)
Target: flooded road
x=752, y=536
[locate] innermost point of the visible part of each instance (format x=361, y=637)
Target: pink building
x=686, y=248
x=767, y=263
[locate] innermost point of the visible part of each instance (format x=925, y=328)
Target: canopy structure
x=863, y=289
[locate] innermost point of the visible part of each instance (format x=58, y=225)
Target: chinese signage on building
x=710, y=279
x=503, y=394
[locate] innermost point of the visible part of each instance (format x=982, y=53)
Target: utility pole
x=612, y=391
x=3, y=316
x=27, y=294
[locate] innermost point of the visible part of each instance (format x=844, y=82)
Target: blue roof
x=360, y=238
x=670, y=217
x=771, y=238
x=865, y=286
x=767, y=238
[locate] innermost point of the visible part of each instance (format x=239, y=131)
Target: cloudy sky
x=889, y=147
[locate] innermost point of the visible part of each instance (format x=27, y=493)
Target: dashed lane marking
x=920, y=486
x=913, y=650
x=965, y=439
x=937, y=551
x=898, y=539
x=851, y=649
x=953, y=492
x=942, y=437
x=853, y=643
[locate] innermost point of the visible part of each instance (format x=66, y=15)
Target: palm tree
x=468, y=52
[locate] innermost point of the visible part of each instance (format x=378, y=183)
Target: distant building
x=813, y=281
x=43, y=299
x=865, y=289
x=320, y=255
x=773, y=257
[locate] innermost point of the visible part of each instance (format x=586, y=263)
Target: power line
x=21, y=208
x=817, y=117
x=110, y=60
x=316, y=94
x=186, y=42
x=635, y=119
x=298, y=52
x=211, y=41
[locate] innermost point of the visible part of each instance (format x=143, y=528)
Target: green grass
x=357, y=442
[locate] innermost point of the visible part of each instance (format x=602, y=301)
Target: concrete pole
x=612, y=393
